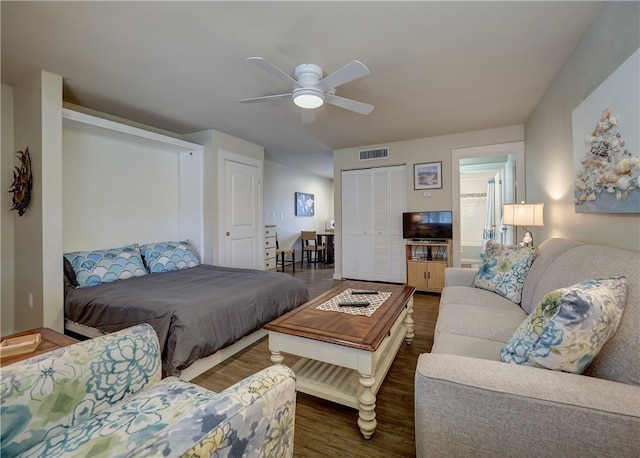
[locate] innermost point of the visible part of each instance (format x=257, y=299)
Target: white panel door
x=241, y=203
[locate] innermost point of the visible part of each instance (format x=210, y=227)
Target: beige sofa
x=469, y=403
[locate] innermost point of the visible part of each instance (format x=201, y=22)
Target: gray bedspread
x=195, y=312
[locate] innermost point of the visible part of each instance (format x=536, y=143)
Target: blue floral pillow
x=569, y=326
x=103, y=266
x=504, y=269
x=168, y=256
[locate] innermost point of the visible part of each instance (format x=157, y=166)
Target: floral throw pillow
x=504, y=269
x=103, y=266
x=569, y=327
x=168, y=256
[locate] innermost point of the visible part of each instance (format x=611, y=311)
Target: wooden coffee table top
x=357, y=331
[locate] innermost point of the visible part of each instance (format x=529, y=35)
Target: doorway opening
x=483, y=179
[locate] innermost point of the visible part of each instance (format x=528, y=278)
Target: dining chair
x=315, y=251
x=280, y=256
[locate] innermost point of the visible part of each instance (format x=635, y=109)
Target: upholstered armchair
x=105, y=397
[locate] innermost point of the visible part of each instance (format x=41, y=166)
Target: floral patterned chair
x=105, y=397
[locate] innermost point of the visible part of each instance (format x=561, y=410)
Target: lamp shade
x=523, y=214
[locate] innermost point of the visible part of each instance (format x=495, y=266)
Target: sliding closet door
x=397, y=205
x=372, y=204
x=357, y=237
x=381, y=247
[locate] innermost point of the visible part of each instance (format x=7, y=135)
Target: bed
x=196, y=312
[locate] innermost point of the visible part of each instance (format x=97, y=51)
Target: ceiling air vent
x=372, y=154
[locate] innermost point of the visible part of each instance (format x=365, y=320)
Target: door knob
x=227, y=233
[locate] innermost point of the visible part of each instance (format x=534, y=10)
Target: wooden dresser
x=269, y=247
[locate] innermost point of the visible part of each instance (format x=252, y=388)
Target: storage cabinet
x=269, y=247
x=426, y=262
x=372, y=204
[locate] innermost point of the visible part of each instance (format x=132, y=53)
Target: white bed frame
x=199, y=366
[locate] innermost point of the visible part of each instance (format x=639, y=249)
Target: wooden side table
x=51, y=340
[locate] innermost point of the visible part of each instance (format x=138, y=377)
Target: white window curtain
x=489, y=232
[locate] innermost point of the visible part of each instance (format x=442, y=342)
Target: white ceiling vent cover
x=372, y=154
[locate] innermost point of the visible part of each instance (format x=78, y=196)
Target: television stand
x=426, y=262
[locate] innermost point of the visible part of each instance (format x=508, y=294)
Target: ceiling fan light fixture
x=308, y=98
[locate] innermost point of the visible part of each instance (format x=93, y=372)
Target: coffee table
x=345, y=357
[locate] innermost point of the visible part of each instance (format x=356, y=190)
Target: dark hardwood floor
x=326, y=429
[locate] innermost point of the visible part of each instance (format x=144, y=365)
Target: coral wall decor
x=608, y=167
x=606, y=144
x=22, y=183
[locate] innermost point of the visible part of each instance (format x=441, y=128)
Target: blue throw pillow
x=505, y=269
x=569, y=326
x=103, y=266
x=168, y=256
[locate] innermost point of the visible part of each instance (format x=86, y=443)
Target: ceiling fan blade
x=348, y=104
x=264, y=97
x=349, y=72
x=273, y=71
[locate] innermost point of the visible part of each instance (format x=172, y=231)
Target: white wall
x=213, y=141
x=610, y=39
x=117, y=193
x=7, y=155
x=280, y=185
x=412, y=152
x=38, y=233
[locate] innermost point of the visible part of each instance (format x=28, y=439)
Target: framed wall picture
x=304, y=204
x=427, y=175
x=606, y=144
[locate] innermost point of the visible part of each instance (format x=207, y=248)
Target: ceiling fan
x=311, y=90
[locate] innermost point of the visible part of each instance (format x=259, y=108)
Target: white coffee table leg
x=276, y=357
x=408, y=322
x=367, y=413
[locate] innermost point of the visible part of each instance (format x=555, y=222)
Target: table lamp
x=523, y=215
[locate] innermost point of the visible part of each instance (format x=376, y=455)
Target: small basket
x=19, y=345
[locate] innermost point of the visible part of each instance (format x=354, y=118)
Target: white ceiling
x=436, y=67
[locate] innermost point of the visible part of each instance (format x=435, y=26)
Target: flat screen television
x=436, y=225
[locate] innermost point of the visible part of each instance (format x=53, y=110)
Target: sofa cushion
x=505, y=269
x=548, y=251
x=618, y=360
x=473, y=347
x=131, y=424
x=569, y=326
x=468, y=295
x=483, y=322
